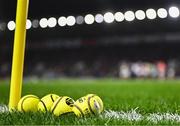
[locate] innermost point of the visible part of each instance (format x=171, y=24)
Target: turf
x=146, y=96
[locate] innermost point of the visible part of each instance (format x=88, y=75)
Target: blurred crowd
x=98, y=68
x=158, y=69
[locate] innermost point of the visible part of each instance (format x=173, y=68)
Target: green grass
x=150, y=96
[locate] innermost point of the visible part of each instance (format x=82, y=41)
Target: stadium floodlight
x=119, y=16
x=79, y=20
x=62, y=21
x=43, y=23
x=89, y=19
x=129, y=16
x=35, y=23
x=174, y=12
x=99, y=18
x=108, y=17
x=52, y=22
x=28, y=24
x=151, y=14
x=71, y=20
x=162, y=13
x=11, y=25
x=140, y=14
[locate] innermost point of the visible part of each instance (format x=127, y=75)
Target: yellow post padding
x=18, y=53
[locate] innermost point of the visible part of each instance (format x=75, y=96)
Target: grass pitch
x=141, y=97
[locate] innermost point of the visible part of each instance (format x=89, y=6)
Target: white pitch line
x=157, y=117
x=133, y=115
x=3, y=109
x=121, y=115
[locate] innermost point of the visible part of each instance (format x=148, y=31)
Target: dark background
x=158, y=39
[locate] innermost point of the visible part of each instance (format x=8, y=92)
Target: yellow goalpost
x=18, y=53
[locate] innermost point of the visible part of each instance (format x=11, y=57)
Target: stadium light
x=52, y=22
x=119, y=17
x=71, y=20
x=129, y=16
x=62, y=21
x=108, y=17
x=151, y=14
x=79, y=20
x=174, y=12
x=11, y=25
x=162, y=13
x=140, y=14
x=35, y=23
x=43, y=23
x=99, y=18
x=28, y=24
x=89, y=19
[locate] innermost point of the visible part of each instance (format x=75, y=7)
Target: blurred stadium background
x=72, y=43
x=95, y=39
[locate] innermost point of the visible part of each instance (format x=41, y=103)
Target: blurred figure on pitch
x=124, y=70
x=171, y=72
x=162, y=68
x=136, y=69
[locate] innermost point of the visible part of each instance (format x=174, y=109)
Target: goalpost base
x=18, y=53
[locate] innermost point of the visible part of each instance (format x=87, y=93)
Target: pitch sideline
x=132, y=115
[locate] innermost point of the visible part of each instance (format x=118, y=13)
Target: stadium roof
x=41, y=11
x=40, y=8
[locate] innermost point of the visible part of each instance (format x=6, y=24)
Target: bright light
x=174, y=12
x=129, y=16
x=140, y=14
x=79, y=19
x=71, y=20
x=162, y=13
x=99, y=18
x=28, y=24
x=11, y=25
x=43, y=23
x=62, y=21
x=108, y=17
x=119, y=16
x=89, y=19
x=151, y=14
x=35, y=23
x=52, y=22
